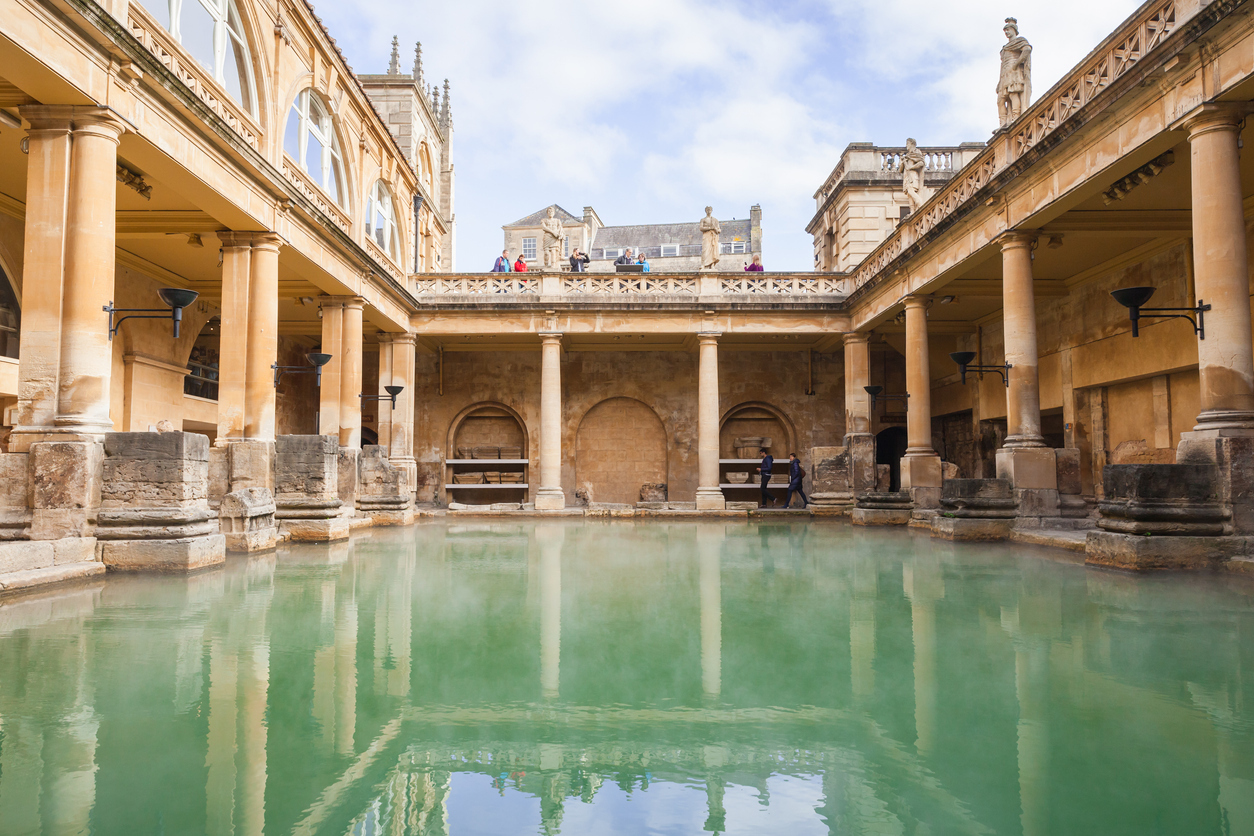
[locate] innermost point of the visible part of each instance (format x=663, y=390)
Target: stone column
x=921, y=468
x=350, y=376
x=233, y=354
x=1226, y=356
x=709, y=494
x=401, y=446
x=263, y=337
x=47, y=206
x=1024, y=460
x=383, y=406
x=857, y=378
x=329, y=394
x=550, y=497
x=90, y=244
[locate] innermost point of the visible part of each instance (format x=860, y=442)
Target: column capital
x=407, y=338
x=1015, y=239
x=923, y=302
x=48, y=118
x=551, y=336
x=230, y=239
x=854, y=337
x=1215, y=116
x=707, y=337
x=385, y=338
x=99, y=121
x=335, y=301
x=267, y=241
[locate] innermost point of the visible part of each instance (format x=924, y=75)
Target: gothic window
x=310, y=140
x=381, y=220
x=529, y=248
x=211, y=30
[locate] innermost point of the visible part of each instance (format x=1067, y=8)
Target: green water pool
x=631, y=678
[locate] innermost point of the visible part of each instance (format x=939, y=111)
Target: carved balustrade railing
x=1124, y=49
x=316, y=195
x=492, y=284
x=663, y=287
x=628, y=284
x=934, y=159
x=757, y=284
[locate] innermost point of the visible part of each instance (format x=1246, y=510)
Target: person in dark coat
x=578, y=262
x=795, y=474
x=768, y=462
x=502, y=264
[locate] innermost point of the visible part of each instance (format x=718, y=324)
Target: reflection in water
x=630, y=678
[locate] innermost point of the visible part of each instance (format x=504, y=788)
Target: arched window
x=310, y=140
x=381, y=219
x=211, y=30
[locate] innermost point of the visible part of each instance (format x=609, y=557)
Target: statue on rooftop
x=710, y=230
x=553, y=234
x=913, y=164
x=1014, y=88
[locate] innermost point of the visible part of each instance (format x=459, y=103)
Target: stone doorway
x=890, y=446
x=621, y=445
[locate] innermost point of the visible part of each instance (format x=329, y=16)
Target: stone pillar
x=709, y=550
x=1226, y=356
x=550, y=497
x=263, y=337
x=401, y=442
x=921, y=466
x=47, y=206
x=384, y=493
x=1024, y=460
x=233, y=353
x=350, y=376
x=307, y=488
x=90, y=242
x=329, y=393
x=709, y=494
x=859, y=440
x=383, y=406
x=549, y=538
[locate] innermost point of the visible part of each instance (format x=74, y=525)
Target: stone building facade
x=670, y=248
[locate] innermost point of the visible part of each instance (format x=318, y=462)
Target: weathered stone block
x=251, y=465
x=1140, y=553
x=306, y=481
x=970, y=529
x=177, y=447
x=978, y=499
x=347, y=463
x=1177, y=499
x=831, y=479
x=22, y=555
x=921, y=472
x=1028, y=467
x=15, y=495
x=1067, y=462
x=384, y=492
x=653, y=492
x=65, y=488
x=949, y=470
x=883, y=477
x=246, y=520
x=183, y=554
x=882, y=508
x=1233, y=457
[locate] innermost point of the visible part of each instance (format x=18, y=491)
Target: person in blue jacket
x=503, y=264
x=643, y=261
x=795, y=474
x=768, y=462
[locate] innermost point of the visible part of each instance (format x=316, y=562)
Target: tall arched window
x=310, y=140
x=381, y=220
x=211, y=30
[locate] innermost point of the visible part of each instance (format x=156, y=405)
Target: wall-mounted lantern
x=176, y=298
x=875, y=392
x=1133, y=298
x=392, y=391
x=316, y=362
x=964, y=358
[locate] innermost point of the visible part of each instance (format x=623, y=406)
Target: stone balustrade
x=673, y=287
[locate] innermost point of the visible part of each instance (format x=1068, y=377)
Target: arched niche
x=756, y=419
x=620, y=446
x=486, y=424
x=10, y=315
x=890, y=447
x=203, y=362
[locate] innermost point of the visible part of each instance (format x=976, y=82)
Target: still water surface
x=631, y=678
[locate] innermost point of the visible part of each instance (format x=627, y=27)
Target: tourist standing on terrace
x=502, y=264
x=756, y=266
x=795, y=474
x=578, y=261
x=625, y=258
x=768, y=462
x=643, y=261
x=520, y=266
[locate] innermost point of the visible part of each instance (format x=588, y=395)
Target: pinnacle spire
x=446, y=117
x=419, y=80
x=394, y=68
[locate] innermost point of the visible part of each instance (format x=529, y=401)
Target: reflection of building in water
x=709, y=548
x=924, y=586
x=549, y=539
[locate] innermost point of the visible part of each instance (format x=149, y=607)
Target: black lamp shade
x=873, y=390
x=394, y=390
x=177, y=297
x=962, y=358
x=318, y=359
x=1132, y=297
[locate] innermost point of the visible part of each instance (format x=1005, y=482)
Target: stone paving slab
x=29, y=578
x=1071, y=540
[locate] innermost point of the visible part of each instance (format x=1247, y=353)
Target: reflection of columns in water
x=236, y=758
x=335, y=672
x=709, y=547
x=716, y=815
x=924, y=587
x=1032, y=689
x=69, y=784
x=393, y=630
x=549, y=538
x=862, y=629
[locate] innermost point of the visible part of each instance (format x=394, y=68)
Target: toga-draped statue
x=1014, y=88
x=710, y=230
x=913, y=164
x=553, y=235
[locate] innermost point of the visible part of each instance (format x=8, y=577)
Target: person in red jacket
x=520, y=266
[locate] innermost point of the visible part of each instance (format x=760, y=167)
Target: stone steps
x=29, y=578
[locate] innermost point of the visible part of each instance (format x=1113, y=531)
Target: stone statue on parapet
x=913, y=164
x=1014, y=88
x=553, y=234
x=710, y=230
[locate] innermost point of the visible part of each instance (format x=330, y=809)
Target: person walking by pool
x=795, y=474
x=768, y=462
x=502, y=264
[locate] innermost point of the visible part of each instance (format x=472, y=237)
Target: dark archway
x=890, y=446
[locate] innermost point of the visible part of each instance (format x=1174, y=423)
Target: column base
x=550, y=499
x=184, y=554
x=1138, y=553
x=317, y=531
x=1226, y=423
x=1028, y=467
x=921, y=472
x=711, y=499
x=1233, y=455
x=880, y=516
x=971, y=530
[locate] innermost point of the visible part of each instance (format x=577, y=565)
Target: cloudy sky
x=650, y=110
